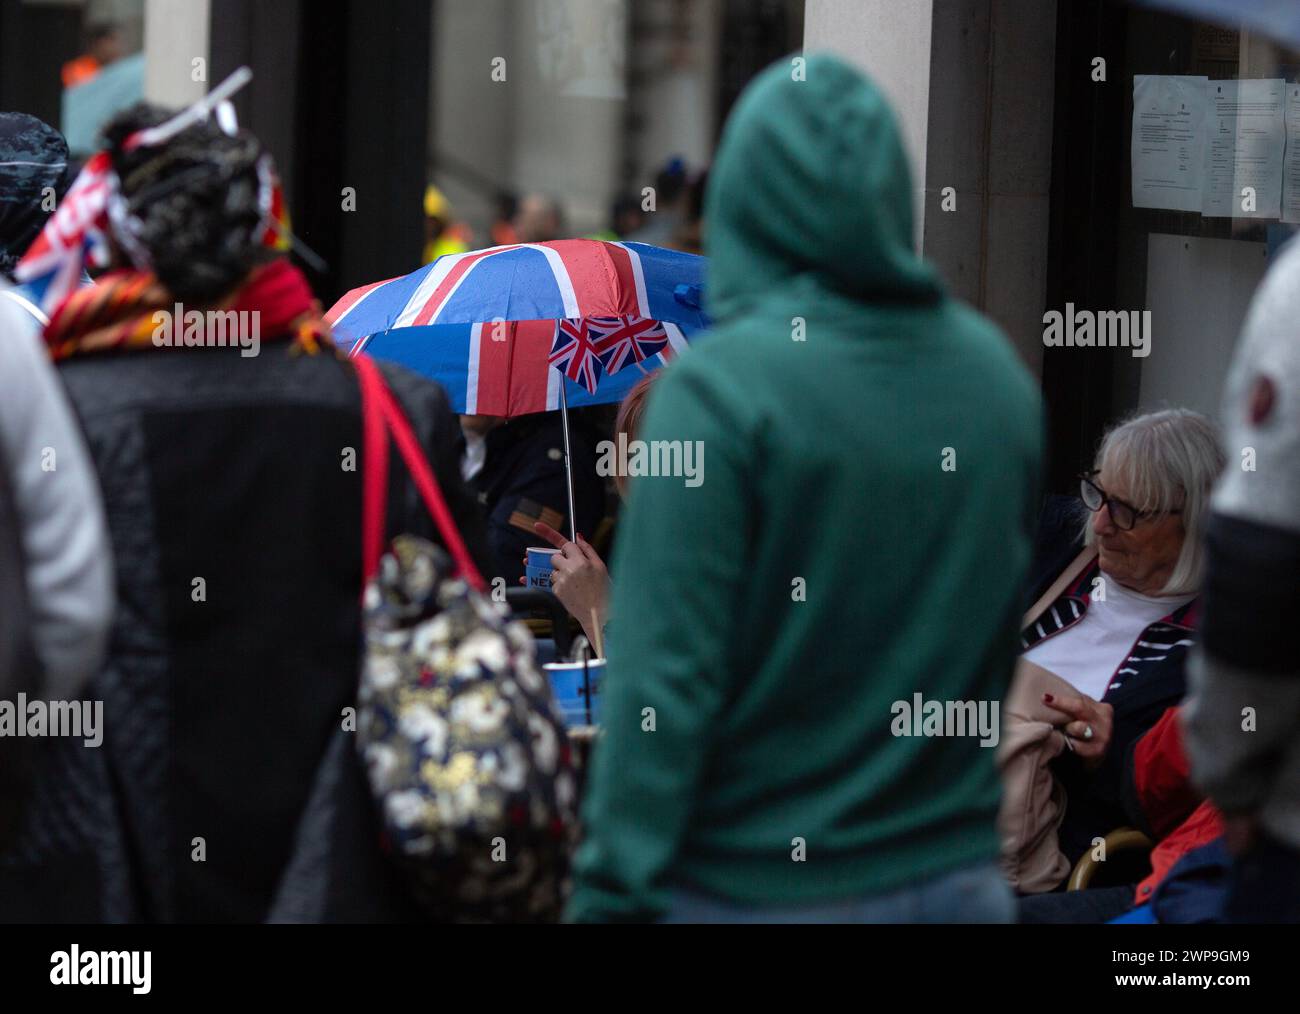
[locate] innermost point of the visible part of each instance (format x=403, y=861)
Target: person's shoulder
x=23, y=366
x=982, y=334
x=17, y=304
x=737, y=353
x=991, y=362
x=424, y=399
x=708, y=375
x=19, y=337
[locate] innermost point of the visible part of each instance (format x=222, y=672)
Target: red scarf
x=120, y=312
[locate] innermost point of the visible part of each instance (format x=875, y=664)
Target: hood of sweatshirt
x=811, y=189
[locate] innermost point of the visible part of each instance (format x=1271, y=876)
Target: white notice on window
x=1291, y=164
x=1247, y=139
x=1168, y=148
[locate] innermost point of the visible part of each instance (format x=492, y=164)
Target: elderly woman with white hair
x=1117, y=620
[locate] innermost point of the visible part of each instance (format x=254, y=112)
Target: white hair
x=1167, y=461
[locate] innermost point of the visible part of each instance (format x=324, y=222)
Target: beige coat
x=1033, y=802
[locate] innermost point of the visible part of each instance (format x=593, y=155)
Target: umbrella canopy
x=564, y=279
x=501, y=329
x=504, y=369
x=1279, y=19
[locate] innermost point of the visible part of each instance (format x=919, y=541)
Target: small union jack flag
x=623, y=340
x=573, y=353
x=76, y=234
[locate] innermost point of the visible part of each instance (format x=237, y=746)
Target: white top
x=1087, y=654
x=475, y=455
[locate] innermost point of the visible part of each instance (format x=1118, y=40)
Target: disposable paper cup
x=538, y=570
x=577, y=692
x=540, y=557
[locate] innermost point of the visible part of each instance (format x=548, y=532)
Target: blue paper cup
x=577, y=688
x=538, y=569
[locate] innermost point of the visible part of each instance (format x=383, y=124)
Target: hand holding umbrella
x=580, y=581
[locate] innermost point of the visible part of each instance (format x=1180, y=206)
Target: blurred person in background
x=689, y=237
x=442, y=233
x=502, y=230
x=1242, y=722
x=104, y=45
x=626, y=217
x=671, y=187
x=768, y=623
x=235, y=523
x=539, y=219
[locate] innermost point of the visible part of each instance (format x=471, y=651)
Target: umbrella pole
x=568, y=459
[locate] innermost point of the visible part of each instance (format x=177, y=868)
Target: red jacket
x=1160, y=788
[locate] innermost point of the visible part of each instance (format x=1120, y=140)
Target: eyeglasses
x=1124, y=515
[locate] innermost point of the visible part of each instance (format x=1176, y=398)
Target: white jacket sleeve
x=56, y=492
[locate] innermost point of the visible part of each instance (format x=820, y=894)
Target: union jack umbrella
x=490, y=324
x=531, y=327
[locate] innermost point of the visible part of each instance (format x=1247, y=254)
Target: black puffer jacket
x=236, y=528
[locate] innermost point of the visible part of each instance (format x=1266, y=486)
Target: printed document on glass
x=1169, y=139
x=1247, y=139
x=1291, y=162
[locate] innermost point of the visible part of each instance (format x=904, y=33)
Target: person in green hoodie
x=854, y=545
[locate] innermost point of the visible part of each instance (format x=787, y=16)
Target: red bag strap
x=374, y=468
x=381, y=415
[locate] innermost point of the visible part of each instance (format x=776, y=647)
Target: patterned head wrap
x=200, y=209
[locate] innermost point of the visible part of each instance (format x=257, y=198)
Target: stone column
x=175, y=35
x=890, y=41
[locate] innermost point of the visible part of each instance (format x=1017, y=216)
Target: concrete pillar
x=1021, y=107
x=570, y=57
x=175, y=35
x=972, y=82
x=675, y=101
x=471, y=140
x=890, y=41
x=553, y=125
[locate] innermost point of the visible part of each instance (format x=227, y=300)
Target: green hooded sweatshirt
x=870, y=452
